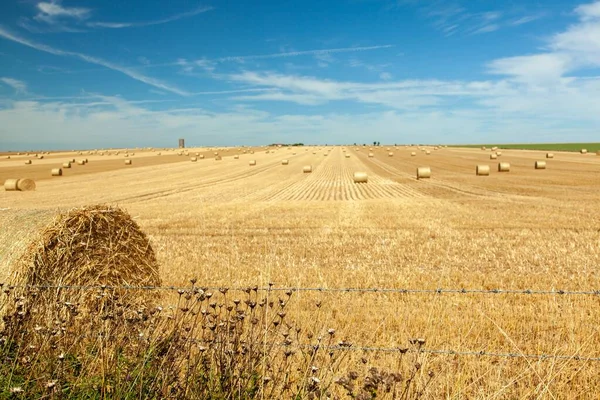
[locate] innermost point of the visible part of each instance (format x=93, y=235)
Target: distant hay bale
x=493, y=156
x=360, y=177
x=26, y=185
x=41, y=157
x=371, y=155
x=482, y=170
x=325, y=154
x=423, y=172
x=427, y=152
x=549, y=155
x=252, y=162
x=498, y=153
x=236, y=157
x=347, y=155
x=193, y=159
x=314, y=152
x=483, y=148
x=197, y=154
x=285, y=162
x=90, y=246
x=80, y=162
x=251, y=151
x=66, y=165
x=159, y=153
x=390, y=154
x=540, y=165
x=27, y=162
x=307, y=169
x=201, y=156
x=8, y=157
x=503, y=167
x=494, y=148
x=218, y=158
x=216, y=153
x=413, y=154
x=11, y=185
x=127, y=162
x=584, y=151
x=56, y=172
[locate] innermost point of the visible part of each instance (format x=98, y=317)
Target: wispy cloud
x=303, y=53
x=92, y=60
x=19, y=86
x=118, y=25
x=526, y=19
x=51, y=12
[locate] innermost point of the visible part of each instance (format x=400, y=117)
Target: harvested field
x=230, y=225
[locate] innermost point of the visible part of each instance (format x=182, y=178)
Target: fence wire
x=273, y=288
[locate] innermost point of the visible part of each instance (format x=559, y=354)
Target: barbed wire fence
x=344, y=346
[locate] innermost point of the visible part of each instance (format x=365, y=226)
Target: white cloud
x=534, y=68
x=589, y=11
x=320, y=52
x=526, y=19
x=51, y=12
x=386, y=76
x=119, y=25
x=575, y=48
x=19, y=86
x=92, y=60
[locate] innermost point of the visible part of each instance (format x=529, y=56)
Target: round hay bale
x=285, y=162
x=583, y=151
x=598, y=152
x=197, y=154
x=325, y=154
x=216, y=153
x=201, y=156
x=41, y=157
x=307, y=169
x=236, y=157
x=193, y=159
x=80, y=162
x=390, y=154
x=11, y=185
x=423, y=172
x=413, y=154
x=493, y=156
x=8, y=157
x=498, y=153
x=56, y=172
x=159, y=153
x=494, y=148
x=360, y=177
x=27, y=162
x=251, y=151
x=549, y=155
x=427, y=152
x=482, y=170
x=371, y=155
x=483, y=148
x=252, y=163
x=503, y=167
x=218, y=158
x=66, y=165
x=26, y=185
x=347, y=155
x=540, y=165
x=127, y=162
x=90, y=246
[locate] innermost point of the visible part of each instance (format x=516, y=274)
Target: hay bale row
x=22, y=185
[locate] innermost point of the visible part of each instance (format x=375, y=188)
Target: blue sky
x=90, y=74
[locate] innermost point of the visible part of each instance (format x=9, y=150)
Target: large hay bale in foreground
x=89, y=246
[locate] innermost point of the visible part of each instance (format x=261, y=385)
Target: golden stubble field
x=230, y=224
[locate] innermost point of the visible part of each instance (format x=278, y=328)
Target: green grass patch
x=591, y=147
